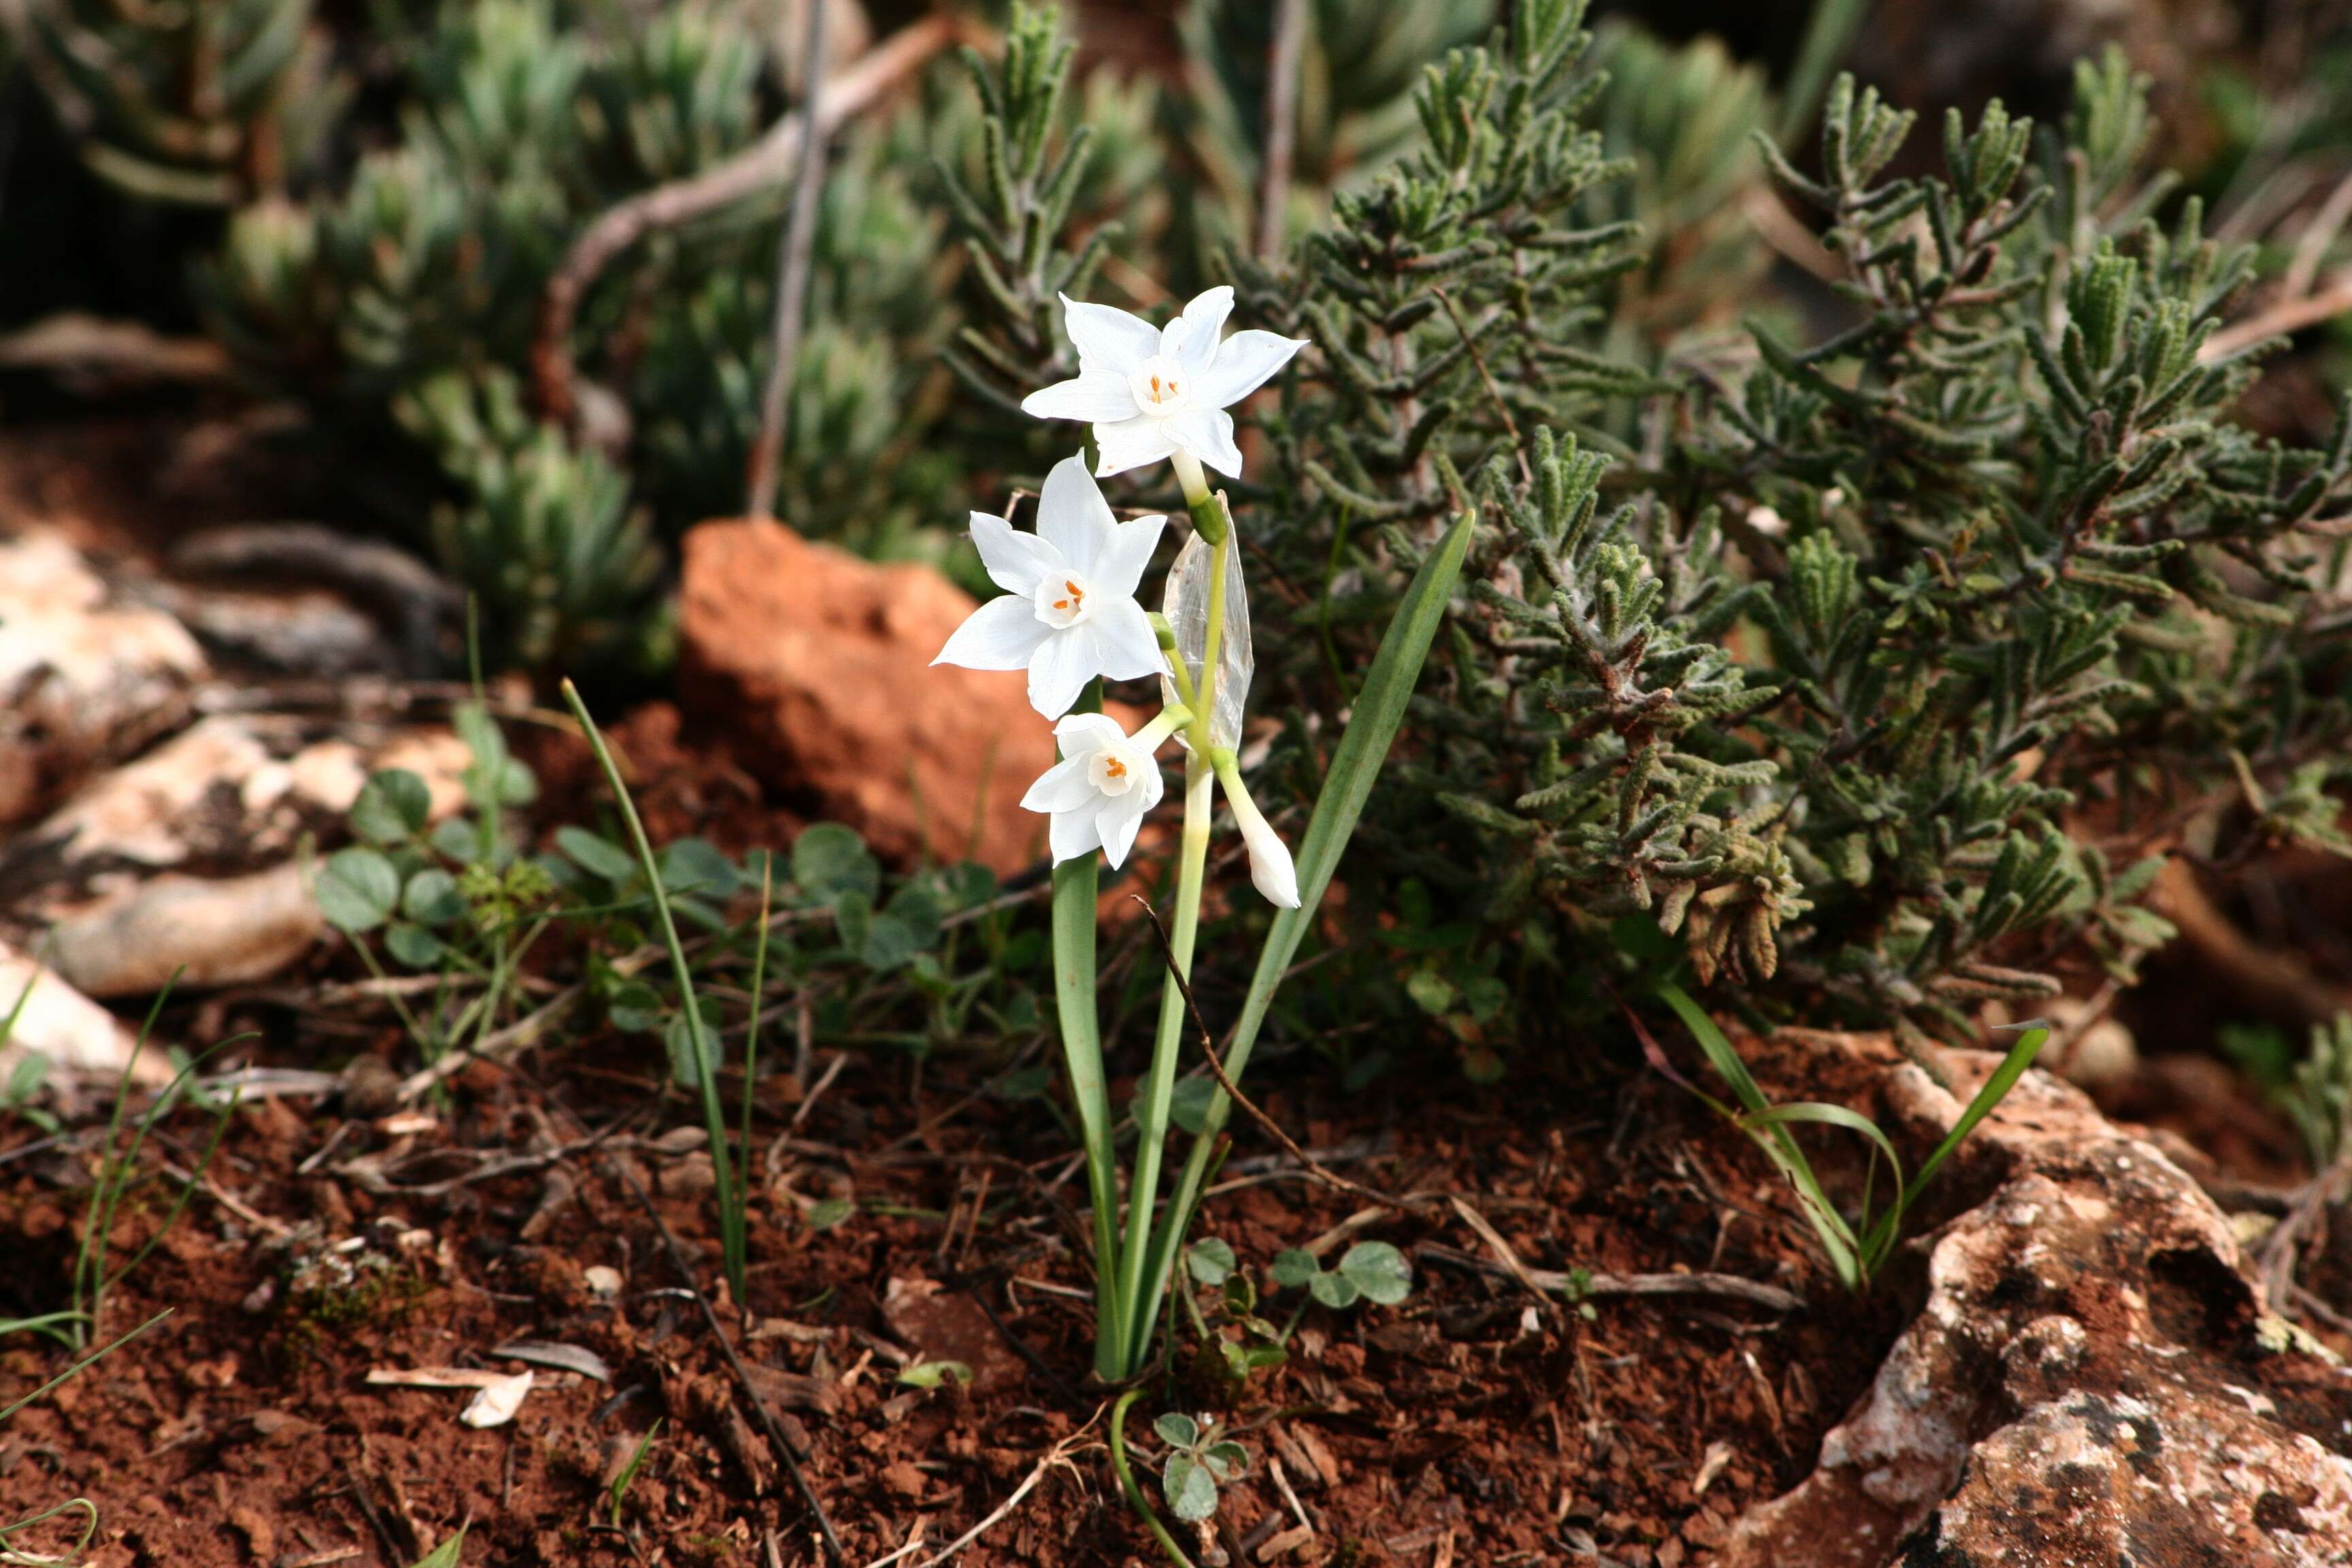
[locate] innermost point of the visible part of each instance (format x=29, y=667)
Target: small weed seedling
x=1858, y=1248
x=1199, y=1461
x=93, y=1275
x=618, y=1490
x=1370, y=1271
x=453, y=899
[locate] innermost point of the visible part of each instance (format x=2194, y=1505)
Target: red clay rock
x=818, y=667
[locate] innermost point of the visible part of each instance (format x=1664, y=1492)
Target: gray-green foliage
x=1869, y=667
x=418, y=287
x=1199, y=1461
x=203, y=102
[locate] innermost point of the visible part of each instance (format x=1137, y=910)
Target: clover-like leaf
x=1378, y=1270
x=392, y=806
x=357, y=889
x=431, y=898
x=829, y=859
x=1334, y=1291
x=1177, y=1429
x=1210, y=1260
x=1294, y=1267
x=413, y=945
x=595, y=854
x=1191, y=1489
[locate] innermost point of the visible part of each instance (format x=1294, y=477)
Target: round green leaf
x=829, y=859
x=413, y=945
x=693, y=866
x=1378, y=1270
x=393, y=807
x=1210, y=1260
x=431, y=898
x=1334, y=1291
x=595, y=854
x=1177, y=1429
x=357, y=889
x=1294, y=1267
x=635, y=1007
x=1191, y=1490
x=1188, y=1104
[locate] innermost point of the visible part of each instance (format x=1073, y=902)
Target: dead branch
x=2288, y=315
x=766, y=163
x=791, y=280
x=1550, y=1282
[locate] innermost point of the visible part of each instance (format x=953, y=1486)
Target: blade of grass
x=2013, y=1066
x=751, y=1034
x=94, y=1356
x=1355, y=766
x=1828, y=32
x=89, y=1258
x=714, y=1115
x=1772, y=1137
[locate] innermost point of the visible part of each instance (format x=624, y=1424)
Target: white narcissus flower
x=1152, y=392
x=1272, y=871
x=1100, y=789
x=1068, y=613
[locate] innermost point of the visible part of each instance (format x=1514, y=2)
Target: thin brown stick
x=2311, y=246
x=1281, y=123
x=765, y=164
x=792, y=278
x=1273, y=1129
x=1511, y=425
x=2288, y=315
x=1552, y=1282
x=776, y=1439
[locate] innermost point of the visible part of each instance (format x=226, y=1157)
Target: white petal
x=1130, y=444
x=1118, y=565
x=1017, y=561
x=1073, y=517
x=495, y=1403
x=1083, y=734
x=1097, y=395
x=1208, y=434
x=1107, y=339
x=1059, y=670
x=1271, y=869
x=1125, y=644
x=1243, y=363
x=1073, y=834
x=1002, y=634
x=1117, y=821
x=1062, y=787
x=1204, y=319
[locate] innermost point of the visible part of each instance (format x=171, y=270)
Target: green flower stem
x=1363, y=746
x=1159, y=1089
x=1075, y=888
x=1142, y=1287
x=1209, y=515
x=1134, y=1492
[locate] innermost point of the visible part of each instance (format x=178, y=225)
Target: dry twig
x=1550, y=1282
x=763, y=163
x=791, y=277
x=777, y=1441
